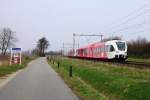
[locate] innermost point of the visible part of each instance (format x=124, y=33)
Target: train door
x=110, y=51
x=81, y=53
x=90, y=52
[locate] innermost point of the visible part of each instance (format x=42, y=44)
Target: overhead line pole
x=63, y=49
x=74, y=44
x=68, y=45
x=74, y=35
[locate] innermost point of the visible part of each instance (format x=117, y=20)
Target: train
x=106, y=50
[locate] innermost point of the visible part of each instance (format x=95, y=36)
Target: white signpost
x=15, y=57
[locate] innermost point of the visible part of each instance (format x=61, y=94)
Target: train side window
x=96, y=50
x=85, y=51
x=102, y=49
x=112, y=48
x=108, y=48
x=105, y=48
x=99, y=50
x=93, y=51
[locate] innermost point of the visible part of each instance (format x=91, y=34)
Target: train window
x=120, y=45
x=102, y=49
x=109, y=48
x=94, y=50
x=84, y=51
x=112, y=48
x=106, y=48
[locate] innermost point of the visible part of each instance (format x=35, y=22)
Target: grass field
x=8, y=69
x=109, y=81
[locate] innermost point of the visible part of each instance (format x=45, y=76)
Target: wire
x=135, y=17
x=133, y=26
x=128, y=19
x=146, y=30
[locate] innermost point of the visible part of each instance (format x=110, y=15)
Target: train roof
x=99, y=43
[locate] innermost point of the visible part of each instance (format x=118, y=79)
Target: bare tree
x=7, y=39
x=42, y=45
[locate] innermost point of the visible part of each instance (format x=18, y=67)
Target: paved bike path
x=37, y=82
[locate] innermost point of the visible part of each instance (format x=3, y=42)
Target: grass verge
x=8, y=69
x=111, y=81
x=81, y=88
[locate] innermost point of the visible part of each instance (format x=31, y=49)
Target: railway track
x=135, y=64
x=141, y=65
x=138, y=64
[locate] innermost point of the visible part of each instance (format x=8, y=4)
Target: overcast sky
x=57, y=20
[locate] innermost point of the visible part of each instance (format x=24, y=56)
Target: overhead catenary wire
x=131, y=19
x=131, y=16
x=135, y=17
x=132, y=26
x=145, y=30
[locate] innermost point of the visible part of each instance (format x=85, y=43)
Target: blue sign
x=18, y=49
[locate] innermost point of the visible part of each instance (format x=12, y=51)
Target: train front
x=121, y=50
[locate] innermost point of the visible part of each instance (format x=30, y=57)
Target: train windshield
x=121, y=45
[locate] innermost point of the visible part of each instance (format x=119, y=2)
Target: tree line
x=139, y=47
x=40, y=49
x=8, y=40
